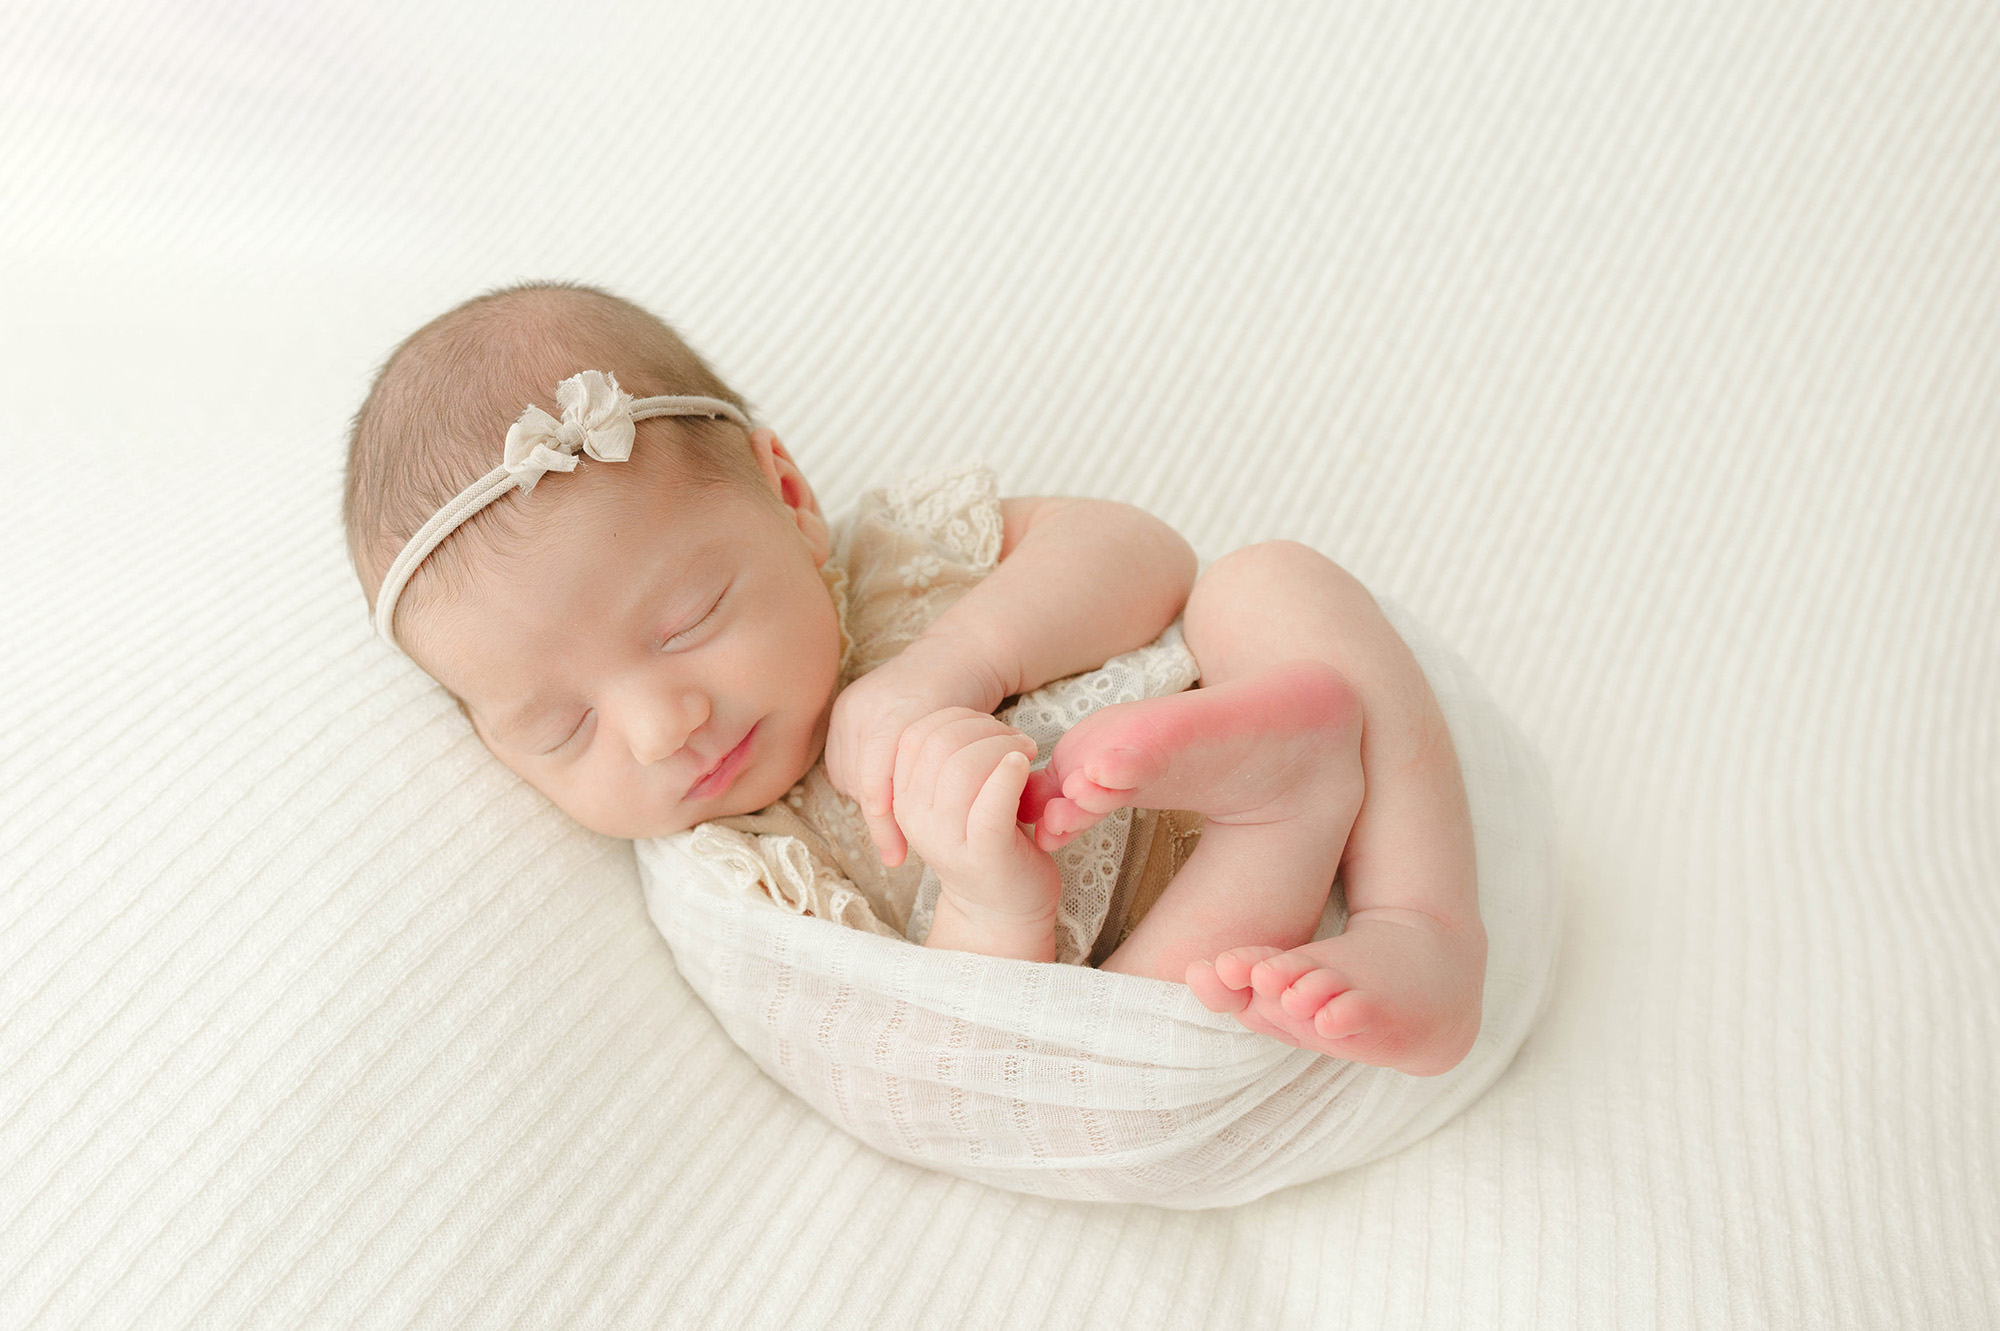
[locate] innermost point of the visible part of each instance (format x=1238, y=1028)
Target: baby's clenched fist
x=959, y=777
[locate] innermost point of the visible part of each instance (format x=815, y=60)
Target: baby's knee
x=1288, y=571
x=1269, y=557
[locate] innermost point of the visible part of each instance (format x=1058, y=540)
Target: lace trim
x=958, y=508
x=910, y=550
x=782, y=870
x=835, y=578
x=838, y=821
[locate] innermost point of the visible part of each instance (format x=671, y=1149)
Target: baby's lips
x=1035, y=796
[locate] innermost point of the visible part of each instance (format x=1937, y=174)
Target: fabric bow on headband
x=597, y=418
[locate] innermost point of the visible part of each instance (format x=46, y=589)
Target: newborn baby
x=653, y=645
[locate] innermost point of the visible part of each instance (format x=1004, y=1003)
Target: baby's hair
x=440, y=406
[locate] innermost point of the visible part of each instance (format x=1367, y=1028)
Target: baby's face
x=672, y=658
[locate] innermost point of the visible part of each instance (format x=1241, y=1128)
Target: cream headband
x=598, y=417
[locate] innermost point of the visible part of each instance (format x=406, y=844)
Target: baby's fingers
x=930, y=742
x=990, y=822
x=876, y=798
x=958, y=760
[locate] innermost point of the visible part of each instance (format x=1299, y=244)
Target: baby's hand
x=959, y=775
x=872, y=714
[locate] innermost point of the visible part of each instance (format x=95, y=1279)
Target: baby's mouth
x=718, y=778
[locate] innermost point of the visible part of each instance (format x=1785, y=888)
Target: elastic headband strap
x=597, y=420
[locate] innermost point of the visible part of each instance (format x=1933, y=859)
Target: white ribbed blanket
x=1648, y=352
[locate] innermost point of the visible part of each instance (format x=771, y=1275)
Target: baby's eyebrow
x=677, y=571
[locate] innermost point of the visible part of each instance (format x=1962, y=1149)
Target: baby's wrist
x=987, y=682
x=967, y=926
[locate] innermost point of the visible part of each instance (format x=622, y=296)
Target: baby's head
x=650, y=642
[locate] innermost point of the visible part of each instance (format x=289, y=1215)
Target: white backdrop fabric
x=1649, y=352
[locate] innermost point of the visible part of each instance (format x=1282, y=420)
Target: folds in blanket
x=1057, y=1080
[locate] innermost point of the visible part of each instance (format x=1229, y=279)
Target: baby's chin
x=746, y=796
x=630, y=827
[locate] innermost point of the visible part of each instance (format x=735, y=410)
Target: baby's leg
x=1401, y=986
x=1272, y=762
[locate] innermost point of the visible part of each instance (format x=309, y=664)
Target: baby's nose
x=663, y=725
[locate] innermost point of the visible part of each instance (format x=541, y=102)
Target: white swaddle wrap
x=1070, y=1082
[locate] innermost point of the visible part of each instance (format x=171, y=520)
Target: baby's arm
x=1079, y=581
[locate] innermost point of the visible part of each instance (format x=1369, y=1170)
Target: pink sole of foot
x=1192, y=750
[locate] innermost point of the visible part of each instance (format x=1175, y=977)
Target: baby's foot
x=1261, y=748
x=1398, y=989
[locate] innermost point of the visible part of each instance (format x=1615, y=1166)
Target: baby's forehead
x=589, y=562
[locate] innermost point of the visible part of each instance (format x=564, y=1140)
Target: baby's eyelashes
x=690, y=631
x=564, y=742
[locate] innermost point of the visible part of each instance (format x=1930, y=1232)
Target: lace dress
x=905, y=554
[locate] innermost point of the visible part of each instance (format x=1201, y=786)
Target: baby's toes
x=1095, y=799
x=1266, y=1018
x=1234, y=966
x=1125, y=769
x=1213, y=993
x=1347, y=1015
x=1279, y=971
x=1060, y=823
x=1048, y=841
x=1041, y=787
x=1310, y=992
x=1066, y=817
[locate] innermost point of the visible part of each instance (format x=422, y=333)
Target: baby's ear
x=818, y=536
x=789, y=484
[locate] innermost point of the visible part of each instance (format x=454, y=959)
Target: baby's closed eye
x=691, y=630
x=542, y=748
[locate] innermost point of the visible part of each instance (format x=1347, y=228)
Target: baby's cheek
x=563, y=795
x=590, y=803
